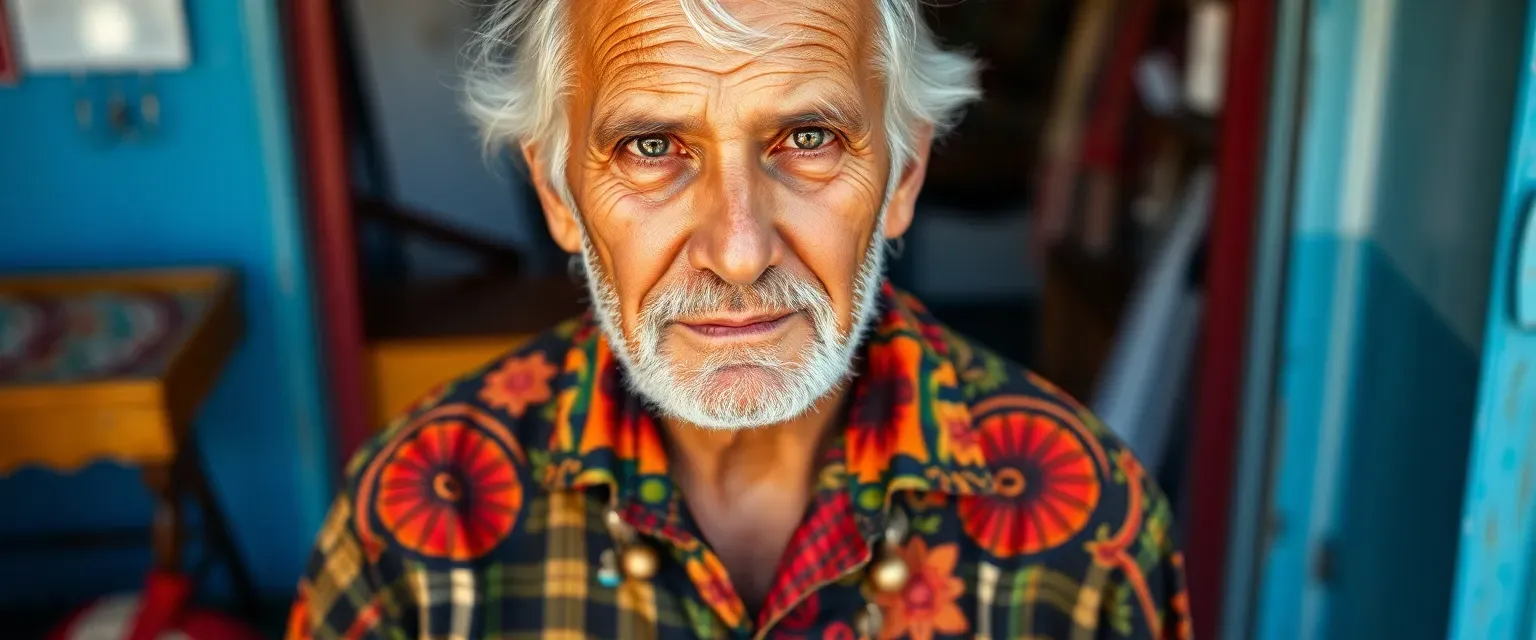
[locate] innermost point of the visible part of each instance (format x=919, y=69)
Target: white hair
x=520, y=75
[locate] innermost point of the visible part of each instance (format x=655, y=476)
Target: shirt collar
x=907, y=426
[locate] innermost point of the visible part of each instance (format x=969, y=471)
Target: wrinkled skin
x=689, y=160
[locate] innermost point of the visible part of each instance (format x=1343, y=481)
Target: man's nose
x=735, y=236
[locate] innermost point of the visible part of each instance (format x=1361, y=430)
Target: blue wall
x=1402, y=162
x=216, y=187
x=1496, y=563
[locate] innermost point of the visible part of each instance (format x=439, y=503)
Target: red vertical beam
x=323, y=157
x=8, y=71
x=1228, y=278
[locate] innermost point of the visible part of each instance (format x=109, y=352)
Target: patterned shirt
x=480, y=513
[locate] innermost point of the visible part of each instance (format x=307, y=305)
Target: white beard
x=717, y=394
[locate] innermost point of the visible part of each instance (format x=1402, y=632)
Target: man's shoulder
x=1053, y=463
x=994, y=386
x=509, y=402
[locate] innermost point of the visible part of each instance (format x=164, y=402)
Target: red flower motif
x=803, y=616
x=519, y=383
x=1046, y=487
x=927, y=604
x=451, y=491
x=963, y=438
x=839, y=631
x=933, y=334
x=882, y=412
x=883, y=391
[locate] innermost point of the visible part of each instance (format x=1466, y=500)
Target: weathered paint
x=1495, y=598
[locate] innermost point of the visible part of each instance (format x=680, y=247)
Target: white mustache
x=775, y=291
x=784, y=386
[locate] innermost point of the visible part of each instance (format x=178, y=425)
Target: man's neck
x=748, y=489
x=723, y=457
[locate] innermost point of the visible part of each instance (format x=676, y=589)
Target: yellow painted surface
x=404, y=370
x=64, y=426
x=67, y=437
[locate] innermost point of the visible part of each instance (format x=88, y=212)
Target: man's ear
x=561, y=220
x=903, y=205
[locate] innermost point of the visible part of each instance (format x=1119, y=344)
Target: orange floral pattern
x=927, y=605
x=450, y=492
x=715, y=588
x=883, y=420
x=518, y=384
x=1045, y=486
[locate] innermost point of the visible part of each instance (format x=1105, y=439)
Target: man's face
x=732, y=206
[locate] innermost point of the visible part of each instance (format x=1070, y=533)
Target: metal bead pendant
x=615, y=523
x=629, y=558
x=890, y=573
x=867, y=623
x=608, y=570
x=639, y=561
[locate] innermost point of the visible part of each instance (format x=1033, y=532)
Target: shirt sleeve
x=1149, y=581
x=340, y=595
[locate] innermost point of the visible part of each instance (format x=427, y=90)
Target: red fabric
x=826, y=546
x=163, y=607
x=165, y=597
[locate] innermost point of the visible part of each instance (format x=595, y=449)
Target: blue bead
x=608, y=579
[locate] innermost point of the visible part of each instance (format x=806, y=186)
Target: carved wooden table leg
x=167, y=533
x=217, y=535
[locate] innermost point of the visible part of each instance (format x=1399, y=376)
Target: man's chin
x=741, y=397
x=743, y=388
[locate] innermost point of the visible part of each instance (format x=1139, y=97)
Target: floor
x=35, y=625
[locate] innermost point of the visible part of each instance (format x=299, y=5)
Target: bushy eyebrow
x=620, y=124
x=843, y=115
x=618, y=127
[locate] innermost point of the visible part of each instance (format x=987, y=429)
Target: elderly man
x=751, y=435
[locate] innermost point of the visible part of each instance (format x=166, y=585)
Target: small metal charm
x=867, y=623
x=639, y=562
x=897, y=527
x=608, y=570
x=615, y=523
x=890, y=573
x=629, y=558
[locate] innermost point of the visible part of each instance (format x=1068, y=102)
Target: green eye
x=653, y=146
x=810, y=137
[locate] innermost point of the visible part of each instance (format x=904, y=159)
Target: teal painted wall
x=1496, y=563
x=216, y=187
x=1403, y=155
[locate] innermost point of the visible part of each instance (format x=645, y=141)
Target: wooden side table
x=113, y=366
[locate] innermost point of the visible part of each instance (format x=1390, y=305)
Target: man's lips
x=736, y=327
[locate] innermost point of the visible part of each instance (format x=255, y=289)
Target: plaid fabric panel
x=450, y=599
x=825, y=547
x=566, y=566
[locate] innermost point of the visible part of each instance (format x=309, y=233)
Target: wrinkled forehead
x=624, y=47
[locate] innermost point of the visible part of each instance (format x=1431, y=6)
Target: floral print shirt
x=479, y=513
